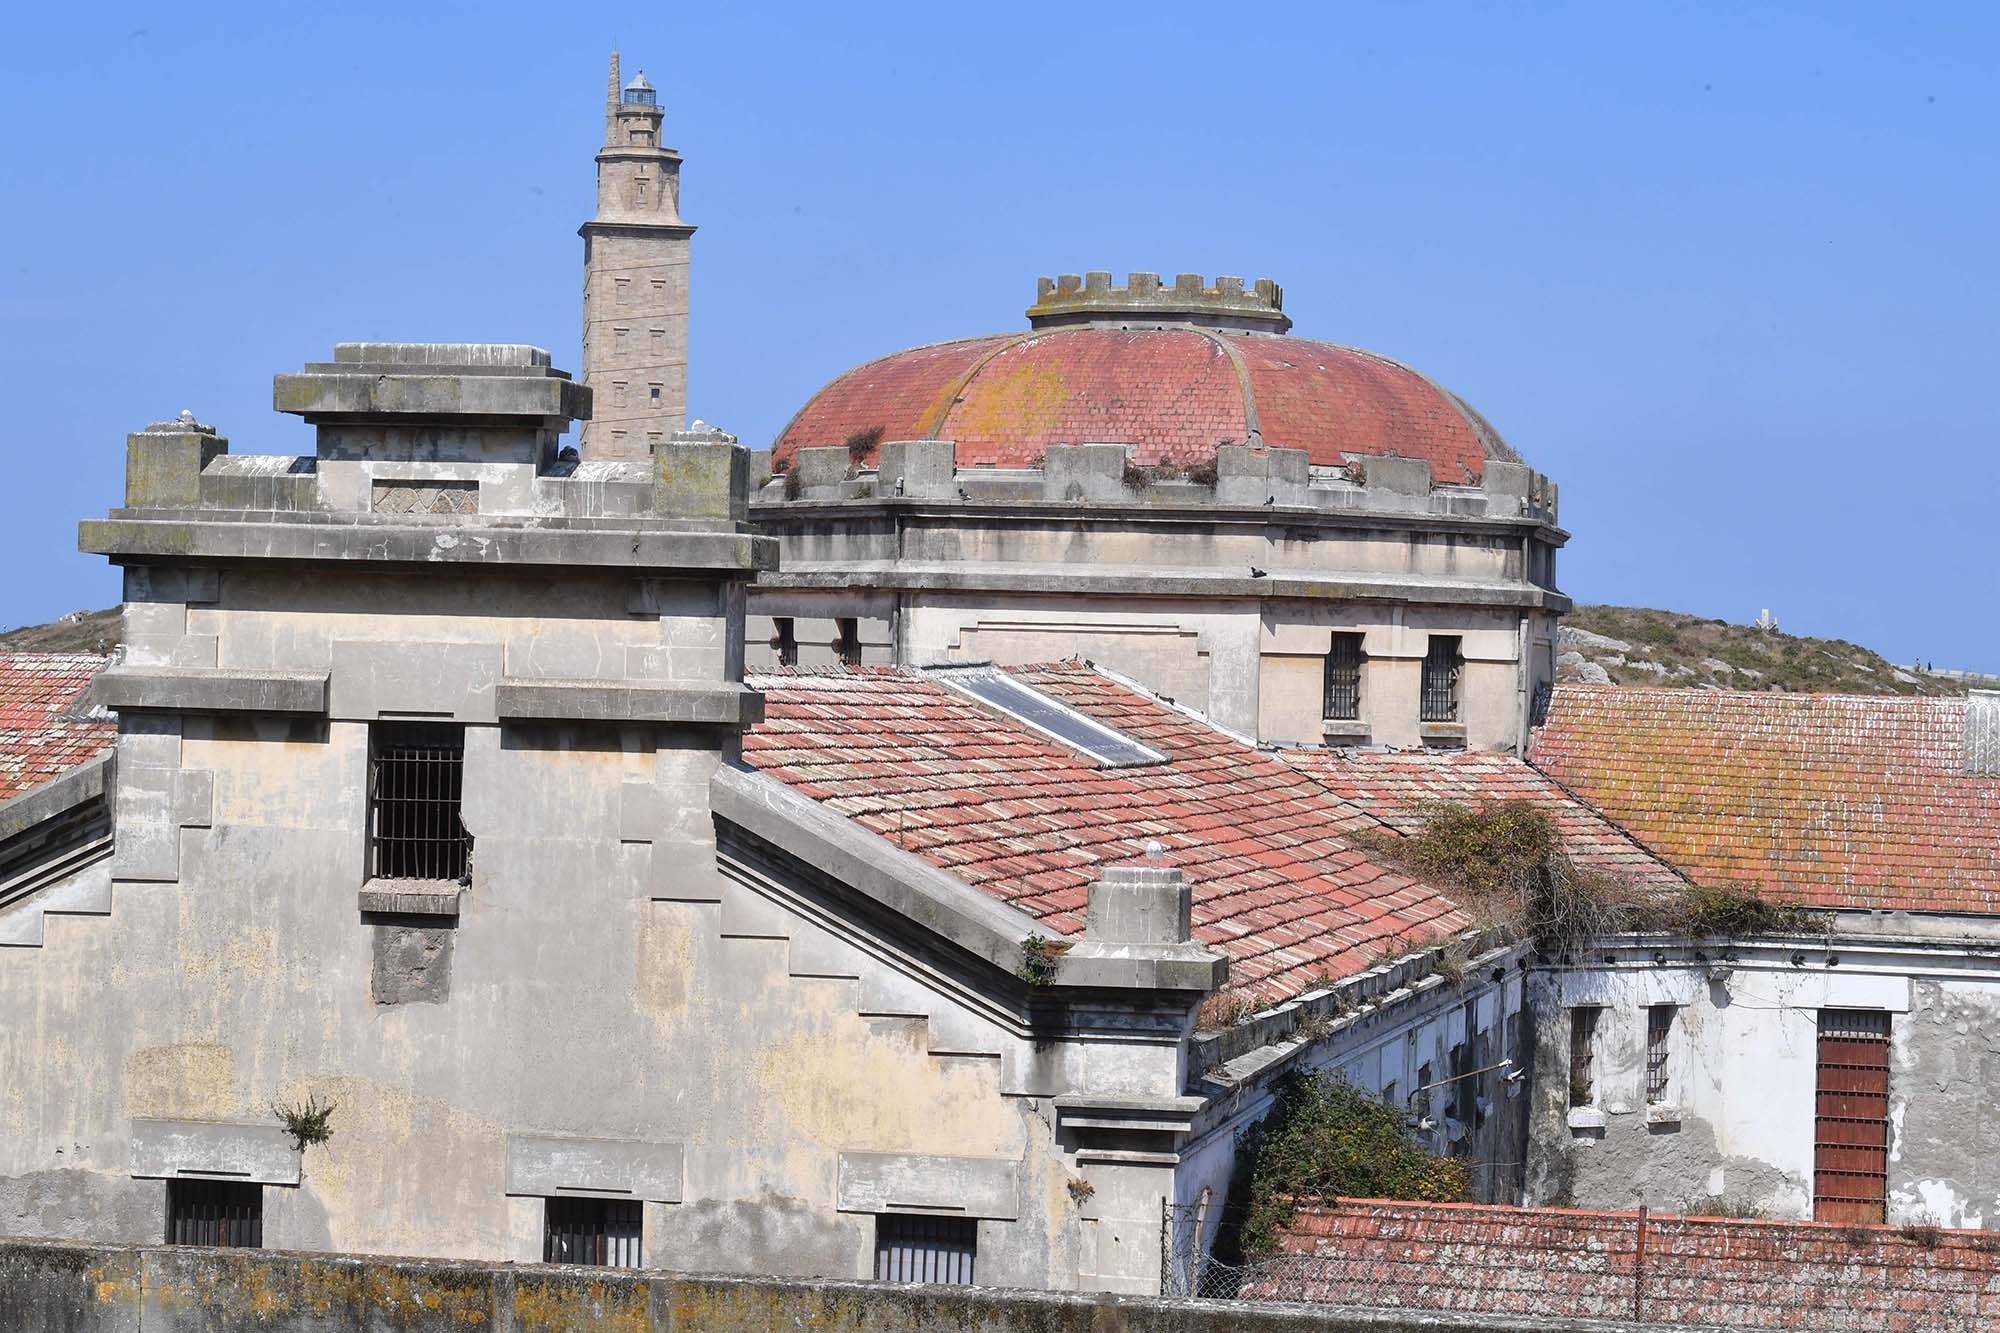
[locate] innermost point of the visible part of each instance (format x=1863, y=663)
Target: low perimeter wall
x=56, y=1287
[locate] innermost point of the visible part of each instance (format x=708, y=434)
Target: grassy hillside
x=77, y=632
x=1638, y=646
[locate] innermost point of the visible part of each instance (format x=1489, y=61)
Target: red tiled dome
x=1172, y=393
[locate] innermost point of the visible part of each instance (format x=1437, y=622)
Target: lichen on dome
x=1172, y=372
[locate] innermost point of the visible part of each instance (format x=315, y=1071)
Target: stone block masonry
x=63, y=1288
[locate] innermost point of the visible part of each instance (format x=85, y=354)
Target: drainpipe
x=1523, y=695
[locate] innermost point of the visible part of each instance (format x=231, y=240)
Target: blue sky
x=1728, y=273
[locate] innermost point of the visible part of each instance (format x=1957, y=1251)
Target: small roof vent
x=1052, y=718
x=1982, y=733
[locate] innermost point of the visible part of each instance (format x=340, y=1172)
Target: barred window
x=785, y=639
x=913, y=1248
x=416, y=780
x=1440, y=680
x=1343, y=679
x=1659, y=1040
x=1582, y=1054
x=215, y=1212
x=605, y=1233
x=847, y=647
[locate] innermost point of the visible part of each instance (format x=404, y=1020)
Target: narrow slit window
x=847, y=646
x=1442, y=667
x=785, y=639
x=1422, y=1092
x=215, y=1212
x=416, y=783
x=914, y=1248
x=604, y=1233
x=1343, y=679
x=1582, y=1054
x=1659, y=1042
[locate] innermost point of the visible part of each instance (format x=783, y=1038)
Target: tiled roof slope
x=1394, y=785
x=1708, y=1272
x=1278, y=888
x=1172, y=394
x=1831, y=800
x=36, y=741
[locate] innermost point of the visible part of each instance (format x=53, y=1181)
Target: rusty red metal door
x=1851, y=1127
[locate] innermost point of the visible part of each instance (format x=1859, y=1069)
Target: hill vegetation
x=77, y=632
x=1628, y=645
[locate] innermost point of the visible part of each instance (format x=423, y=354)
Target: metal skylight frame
x=996, y=689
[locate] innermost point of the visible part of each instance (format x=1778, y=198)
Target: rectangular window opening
x=1582, y=1054
x=1659, y=1041
x=215, y=1212
x=1851, y=1119
x=604, y=1233
x=1343, y=679
x=416, y=783
x=653, y=394
x=785, y=639
x=911, y=1248
x=847, y=646
x=1442, y=666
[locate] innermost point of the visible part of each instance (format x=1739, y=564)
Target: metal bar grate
x=911, y=1248
x=1343, y=679
x=215, y=1212
x=603, y=1233
x=416, y=782
x=1659, y=1035
x=1851, y=1125
x=786, y=640
x=847, y=647
x=1440, y=680
x=1582, y=1045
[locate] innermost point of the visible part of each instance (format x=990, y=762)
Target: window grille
x=604, y=1233
x=1659, y=1034
x=1440, y=682
x=1851, y=1124
x=910, y=1248
x=1582, y=1048
x=786, y=640
x=1343, y=679
x=416, y=780
x=215, y=1212
x=847, y=647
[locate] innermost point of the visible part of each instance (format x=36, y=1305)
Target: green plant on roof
x=308, y=1122
x=1038, y=961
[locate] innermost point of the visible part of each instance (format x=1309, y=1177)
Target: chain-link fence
x=1661, y=1273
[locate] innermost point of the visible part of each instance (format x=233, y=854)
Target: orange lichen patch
x=901, y=394
x=1332, y=401
x=1822, y=799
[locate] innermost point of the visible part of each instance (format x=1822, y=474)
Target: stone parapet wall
x=67, y=1288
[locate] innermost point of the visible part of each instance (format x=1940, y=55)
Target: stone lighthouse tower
x=635, y=281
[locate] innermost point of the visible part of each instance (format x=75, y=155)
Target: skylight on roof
x=1059, y=722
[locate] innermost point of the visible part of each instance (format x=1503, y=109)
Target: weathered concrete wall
x=1735, y=1129
x=52, y=1288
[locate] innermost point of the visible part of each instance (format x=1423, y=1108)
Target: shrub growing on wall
x=1325, y=1138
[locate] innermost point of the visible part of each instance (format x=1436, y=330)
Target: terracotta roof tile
x=1277, y=887
x=1567, y=1264
x=38, y=741
x=1832, y=800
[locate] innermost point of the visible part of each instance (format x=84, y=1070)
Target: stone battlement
x=1090, y=298
x=1243, y=477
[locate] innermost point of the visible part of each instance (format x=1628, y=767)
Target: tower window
x=605, y=1233
x=925, y=1249
x=618, y=393
x=653, y=394
x=618, y=333
x=416, y=779
x=215, y=1212
x=785, y=640
x=624, y=289
x=659, y=341
x=1440, y=680
x=1343, y=678
x=847, y=645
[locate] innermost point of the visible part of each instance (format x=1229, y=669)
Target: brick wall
x=1557, y=1263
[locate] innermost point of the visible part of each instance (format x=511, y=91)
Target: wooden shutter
x=1851, y=1128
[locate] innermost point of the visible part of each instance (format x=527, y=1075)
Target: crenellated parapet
x=1242, y=477
x=1090, y=298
